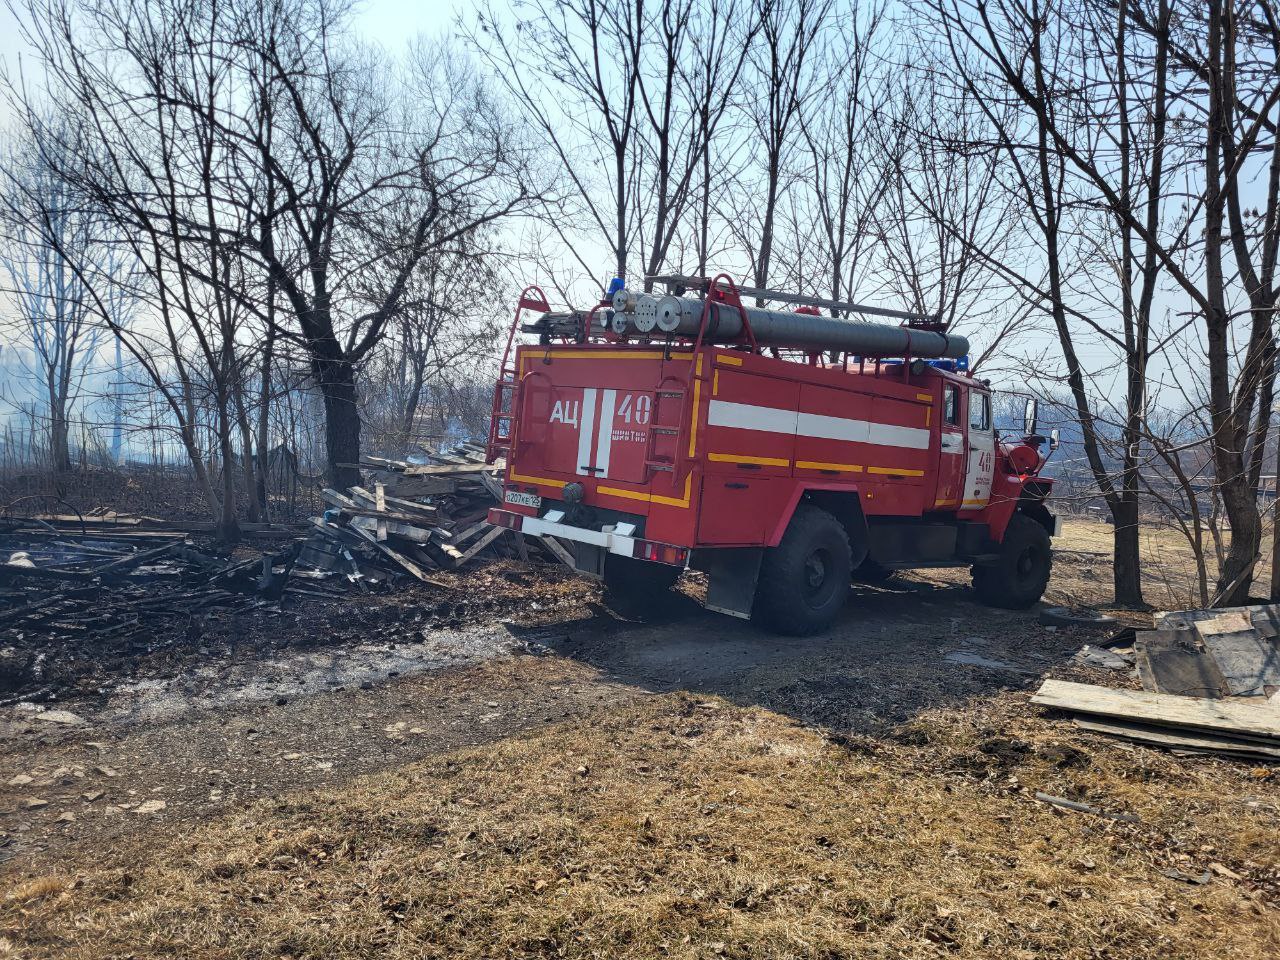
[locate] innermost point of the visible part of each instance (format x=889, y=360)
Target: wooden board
x=493, y=534
x=1168, y=737
x=446, y=469
x=396, y=508
x=1249, y=663
x=1170, y=661
x=563, y=555
x=1233, y=717
x=1265, y=617
x=380, y=528
x=399, y=558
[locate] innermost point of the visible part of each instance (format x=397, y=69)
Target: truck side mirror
x=1055, y=439
x=1029, y=418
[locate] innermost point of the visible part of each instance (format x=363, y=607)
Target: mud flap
x=731, y=578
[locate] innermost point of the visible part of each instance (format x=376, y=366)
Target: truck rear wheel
x=633, y=587
x=1019, y=577
x=804, y=580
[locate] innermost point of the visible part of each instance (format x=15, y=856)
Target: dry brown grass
x=1168, y=564
x=691, y=828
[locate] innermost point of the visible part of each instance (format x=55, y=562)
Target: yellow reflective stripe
x=559, y=484
x=975, y=503
x=735, y=458
x=715, y=384
x=731, y=361
x=926, y=397
x=697, y=396
x=945, y=503
x=818, y=465
x=649, y=497
x=896, y=471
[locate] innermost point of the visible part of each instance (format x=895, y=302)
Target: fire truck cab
x=763, y=450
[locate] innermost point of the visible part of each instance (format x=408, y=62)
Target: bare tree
x=628, y=98
x=51, y=246
x=849, y=171
x=783, y=81
x=444, y=332
x=317, y=186
x=1076, y=144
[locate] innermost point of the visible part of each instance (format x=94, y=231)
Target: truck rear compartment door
x=595, y=431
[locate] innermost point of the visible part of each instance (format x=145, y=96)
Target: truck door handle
x=747, y=466
x=591, y=469
x=736, y=486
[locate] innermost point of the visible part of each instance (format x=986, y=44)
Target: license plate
x=523, y=499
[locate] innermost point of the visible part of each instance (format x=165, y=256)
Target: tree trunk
x=117, y=426
x=201, y=470
x=411, y=408
x=1127, y=567
x=336, y=379
x=1275, y=526
x=228, y=530
x=59, y=443
x=253, y=511
x=264, y=428
x=1246, y=541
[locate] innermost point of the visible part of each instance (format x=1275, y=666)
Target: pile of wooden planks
x=1245, y=729
x=1211, y=682
x=413, y=518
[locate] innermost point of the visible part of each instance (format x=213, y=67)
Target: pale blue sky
x=391, y=23
x=394, y=23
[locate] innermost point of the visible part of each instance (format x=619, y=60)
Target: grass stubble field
x=682, y=825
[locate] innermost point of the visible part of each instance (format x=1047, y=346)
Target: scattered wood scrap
x=1171, y=661
x=1212, y=653
x=1247, y=727
x=1078, y=807
x=1180, y=741
x=414, y=518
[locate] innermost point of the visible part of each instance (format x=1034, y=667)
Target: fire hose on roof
x=681, y=316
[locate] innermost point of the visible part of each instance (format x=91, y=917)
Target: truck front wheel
x=804, y=580
x=1019, y=577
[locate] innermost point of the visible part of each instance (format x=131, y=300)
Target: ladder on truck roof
x=506, y=393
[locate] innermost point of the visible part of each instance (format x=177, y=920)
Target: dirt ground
x=902, y=737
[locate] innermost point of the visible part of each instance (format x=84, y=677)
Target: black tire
x=804, y=580
x=636, y=588
x=1019, y=577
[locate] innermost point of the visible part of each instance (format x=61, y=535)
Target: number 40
x=638, y=407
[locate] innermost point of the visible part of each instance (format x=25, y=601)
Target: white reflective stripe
x=745, y=416
x=586, y=426
x=605, y=443
x=861, y=431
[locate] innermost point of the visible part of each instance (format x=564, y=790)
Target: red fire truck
x=783, y=453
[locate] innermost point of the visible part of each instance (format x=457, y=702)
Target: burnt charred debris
x=114, y=581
